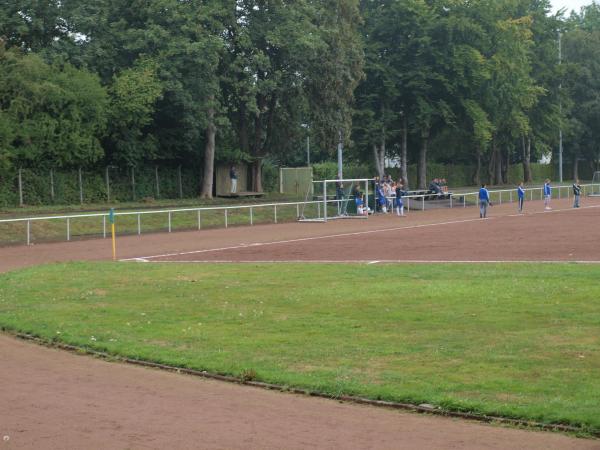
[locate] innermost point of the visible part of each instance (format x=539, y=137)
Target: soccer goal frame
x=595, y=185
x=332, y=200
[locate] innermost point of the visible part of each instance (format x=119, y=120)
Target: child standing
x=547, y=195
x=521, y=195
x=576, y=193
x=484, y=201
x=399, y=202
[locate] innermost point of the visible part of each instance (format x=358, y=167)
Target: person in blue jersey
x=547, y=194
x=484, y=201
x=576, y=193
x=400, y=192
x=521, y=196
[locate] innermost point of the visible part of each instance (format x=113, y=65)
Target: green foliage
x=49, y=114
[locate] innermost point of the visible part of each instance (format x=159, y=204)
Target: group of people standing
x=388, y=195
x=484, y=197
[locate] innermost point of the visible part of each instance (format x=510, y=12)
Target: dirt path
x=52, y=399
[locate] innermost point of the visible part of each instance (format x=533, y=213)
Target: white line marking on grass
x=373, y=262
x=332, y=236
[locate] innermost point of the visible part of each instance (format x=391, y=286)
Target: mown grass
x=513, y=340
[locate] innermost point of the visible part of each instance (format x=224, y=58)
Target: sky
x=569, y=4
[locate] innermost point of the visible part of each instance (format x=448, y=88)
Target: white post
x=251, y=216
x=199, y=224
x=297, y=210
x=275, y=213
x=169, y=221
x=68, y=229
x=324, y=201
x=511, y=200
x=104, y=227
x=450, y=201
x=464, y=201
x=423, y=201
x=139, y=223
x=226, y=224
x=29, y=232
x=500, y=197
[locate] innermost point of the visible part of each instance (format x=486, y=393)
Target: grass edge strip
x=421, y=409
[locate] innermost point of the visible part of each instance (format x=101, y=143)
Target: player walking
x=521, y=195
x=576, y=193
x=547, y=195
x=484, y=201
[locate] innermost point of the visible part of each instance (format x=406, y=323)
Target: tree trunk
x=378, y=161
x=422, y=170
x=257, y=175
x=477, y=176
x=498, y=177
x=527, y=177
x=209, y=155
x=492, y=164
x=404, y=156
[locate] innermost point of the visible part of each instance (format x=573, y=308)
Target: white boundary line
x=356, y=233
x=369, y=263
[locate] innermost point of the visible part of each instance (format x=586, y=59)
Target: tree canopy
x=195, y=82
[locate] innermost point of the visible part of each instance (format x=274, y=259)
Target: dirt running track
x=50, y=399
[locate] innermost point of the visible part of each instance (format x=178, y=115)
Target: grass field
x=512, y=340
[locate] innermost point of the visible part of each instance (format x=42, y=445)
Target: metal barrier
x=455, y=200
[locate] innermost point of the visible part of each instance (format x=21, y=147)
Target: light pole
x=560, y=136
x=340, y=151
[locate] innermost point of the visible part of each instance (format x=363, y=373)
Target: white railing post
x=139, y=224
x=511, y=199
x=275, y=213
x=500, y=198
x=68, y=229
x=29, y=232
x=199, y=221
x=324, y=201
x=104, y=227
x=169, y=221
x=226, y=224
x=423, y=201
x=251, y=216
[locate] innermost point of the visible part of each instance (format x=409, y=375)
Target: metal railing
x=454, y=199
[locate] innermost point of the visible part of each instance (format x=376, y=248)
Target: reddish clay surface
x=54, y=399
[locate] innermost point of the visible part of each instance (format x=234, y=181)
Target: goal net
x=336, y=199
x=595, y=185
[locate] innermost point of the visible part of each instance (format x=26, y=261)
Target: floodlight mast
x=560, y=134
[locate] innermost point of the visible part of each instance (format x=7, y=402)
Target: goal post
x=595, y=185
x=336, y=199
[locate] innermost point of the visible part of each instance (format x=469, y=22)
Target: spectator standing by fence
x=521, y=196
x=233, y=179
x=484, y=201
x=576, y=193
x=547, y=194
x=399, y=202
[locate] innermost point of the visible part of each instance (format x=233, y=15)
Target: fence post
x=29, y=232
x=139, y=223
x=179, y=180
x=169, y=221
x=423, y=201
x=52, y=184
x=80, y=186
x=157, y=183
x=324, y=201
x=275, y=212
x=104, y=227
x=297, y=210
x=199, y=224
x=20, y=187
x=107, y=186
x=464, y=201
x=133, y=181
x=225, y=217
x=511, y=200
x=450, y=201
x=251, y=216
x=68, y=229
